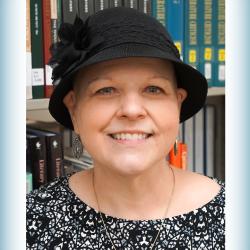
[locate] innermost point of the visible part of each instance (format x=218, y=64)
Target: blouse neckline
x=176, y=217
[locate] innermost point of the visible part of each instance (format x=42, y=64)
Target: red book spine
x=48, y=87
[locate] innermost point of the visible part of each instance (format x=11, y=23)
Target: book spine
x=199, y=142
x=47, y=22
x=29, y=182
x=54, y=156
x=210, y=146
x=131, y=4
x=38, y=160
x=28, y=53
x=220, y=43
x=145, y=6
x=176, y=23
x=59, y=13
x=159, y=11
x=207, y=49
x=101, y=5
x=69, y=10
x=189, y=141
x=86, y=8
x=191, y=54
x=115, y=3
x=37, y=49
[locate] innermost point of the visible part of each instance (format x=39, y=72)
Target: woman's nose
x=132, y=107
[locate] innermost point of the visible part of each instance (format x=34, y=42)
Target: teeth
x=127, y=136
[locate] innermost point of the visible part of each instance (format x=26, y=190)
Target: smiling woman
x=124, y=96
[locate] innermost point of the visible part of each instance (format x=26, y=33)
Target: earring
x=77, y=148
x=176, y=147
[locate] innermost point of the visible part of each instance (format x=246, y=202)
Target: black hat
x=117, y=33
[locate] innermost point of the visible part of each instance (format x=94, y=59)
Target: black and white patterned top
x=58, y=219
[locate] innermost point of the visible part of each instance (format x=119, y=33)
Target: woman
x=121, y=86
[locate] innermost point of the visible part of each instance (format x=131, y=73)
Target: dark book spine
x=131, y=4
x=37, y=49
x=101, y=5
x=145, y=6
x=59, y=13
x=69, y=10
x=48, y=87
x=86, y=8
x=115, y=3
x=54, y=156
x=37, y=149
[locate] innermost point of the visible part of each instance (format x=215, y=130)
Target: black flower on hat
x=75, y=43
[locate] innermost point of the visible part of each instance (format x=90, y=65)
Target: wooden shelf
x=214, y=91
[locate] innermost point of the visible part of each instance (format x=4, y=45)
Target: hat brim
x=187, y=77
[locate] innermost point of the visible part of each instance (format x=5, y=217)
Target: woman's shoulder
x=197, y=192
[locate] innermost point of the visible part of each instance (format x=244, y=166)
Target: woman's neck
x=144, y=196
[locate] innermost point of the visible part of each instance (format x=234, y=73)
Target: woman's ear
x=181, y=96
x=70, y=102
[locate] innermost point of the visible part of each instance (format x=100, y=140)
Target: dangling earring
x=77, y=148
x=176, y=147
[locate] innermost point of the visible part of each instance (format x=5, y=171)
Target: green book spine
x=159, y=11
x=207, y=36
x=37, y=49
x=220, y=43
x=59, y=13
x=191, y=54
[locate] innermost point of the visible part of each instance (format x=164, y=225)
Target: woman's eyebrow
x=98, y=78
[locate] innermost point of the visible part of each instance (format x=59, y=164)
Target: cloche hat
x=117, y=33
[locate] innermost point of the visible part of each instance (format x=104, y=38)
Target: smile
x=130, y=136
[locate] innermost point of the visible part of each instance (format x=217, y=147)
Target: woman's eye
x=106, y=91
x=154, y=89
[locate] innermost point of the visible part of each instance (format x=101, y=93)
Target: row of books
x=199, y=135
x=196, y=26
x=49, y=155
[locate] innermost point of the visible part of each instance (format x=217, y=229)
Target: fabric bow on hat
x=73, y=48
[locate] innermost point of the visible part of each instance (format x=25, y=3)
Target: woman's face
x=127, y=112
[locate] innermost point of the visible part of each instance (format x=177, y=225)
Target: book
x=220, y=43
x=37, y=49
x=188, y=138
x=86, y=8
x=54, y=152
x=69, y=10
x=37, y=157
x=115, y=3
x=131, y=4
x=210, y=132
x=145, y=6
x=191, y=53
x=199, y=142
x=159, y=11
x=28, y=53
x=175, y=23
x=59, y=13
x=29, y=182
x=207, y=40
x=101, y=5
x=47, y=31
